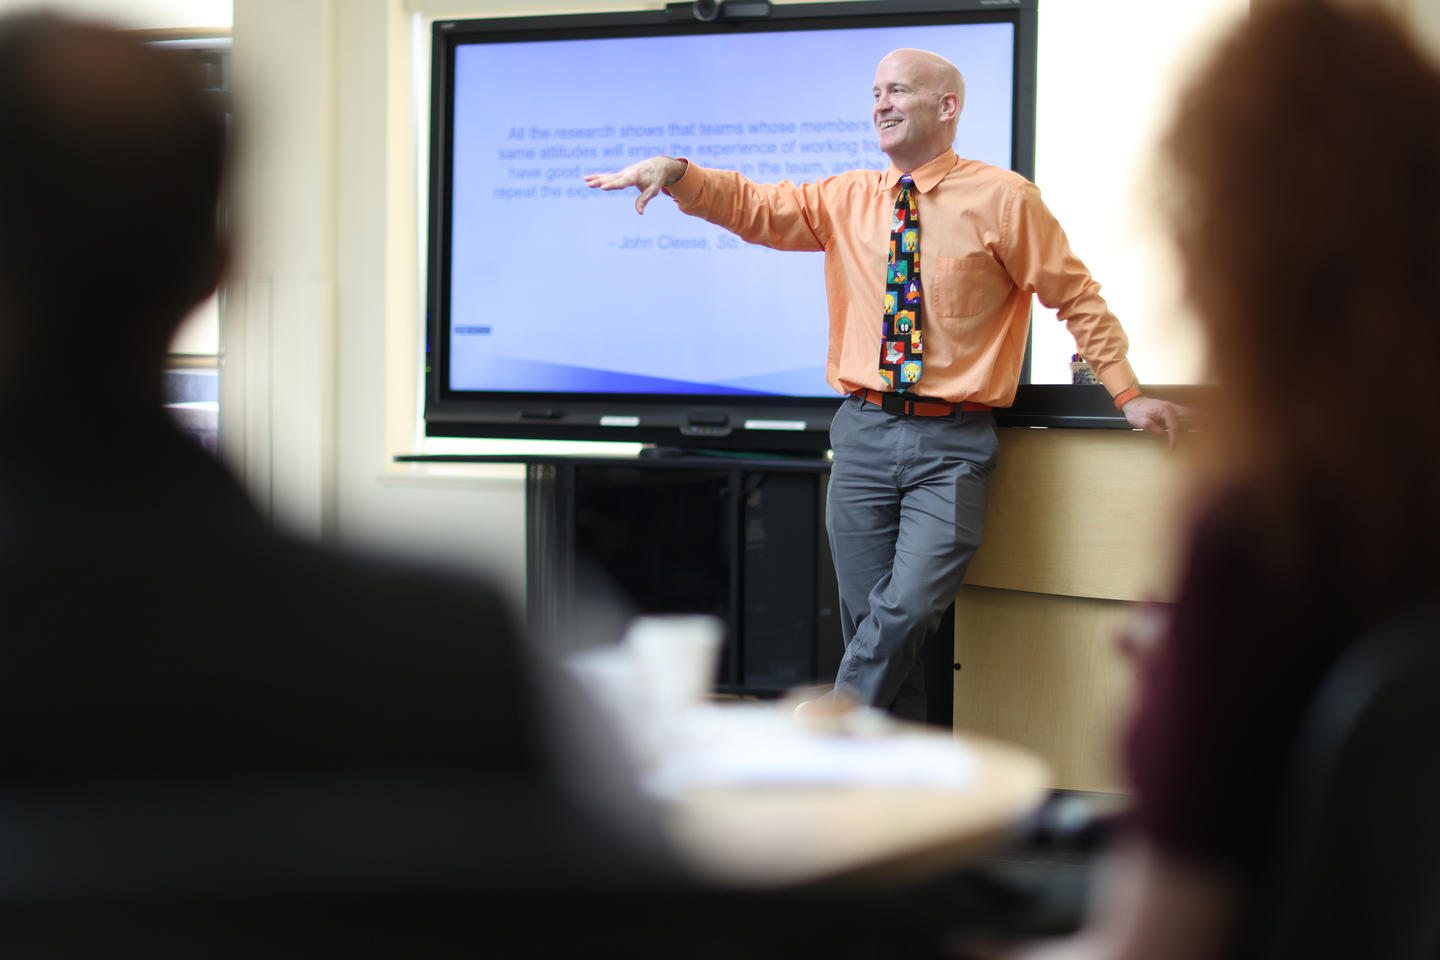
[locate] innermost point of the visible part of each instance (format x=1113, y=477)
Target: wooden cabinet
x=1082, y=524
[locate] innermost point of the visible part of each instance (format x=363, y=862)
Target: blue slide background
x=567, y=290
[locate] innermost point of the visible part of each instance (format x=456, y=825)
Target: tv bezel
x=706, y=421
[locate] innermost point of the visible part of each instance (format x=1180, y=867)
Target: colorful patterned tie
x=900, y=328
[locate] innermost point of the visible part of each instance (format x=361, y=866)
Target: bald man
x=914, y=440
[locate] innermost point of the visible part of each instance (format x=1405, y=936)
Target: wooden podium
x=1082, y=524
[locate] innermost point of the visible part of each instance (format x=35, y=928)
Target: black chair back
x=1357, y=866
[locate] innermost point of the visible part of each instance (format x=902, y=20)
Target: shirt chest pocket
x=955, y=286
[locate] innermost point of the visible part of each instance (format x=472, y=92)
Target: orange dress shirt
x=987, y=243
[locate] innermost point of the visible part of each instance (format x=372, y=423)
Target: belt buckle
x=896, y=404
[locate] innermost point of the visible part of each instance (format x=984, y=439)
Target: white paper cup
x=675, y=657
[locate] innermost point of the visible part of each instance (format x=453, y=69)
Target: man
x=914, y=441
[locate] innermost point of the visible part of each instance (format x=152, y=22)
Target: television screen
x=556, y=311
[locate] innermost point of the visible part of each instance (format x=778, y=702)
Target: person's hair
x=1306, y=159
x=110, y=177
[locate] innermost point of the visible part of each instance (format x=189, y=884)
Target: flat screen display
x=555, y=307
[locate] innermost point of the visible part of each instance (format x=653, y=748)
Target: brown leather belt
x=918, y=406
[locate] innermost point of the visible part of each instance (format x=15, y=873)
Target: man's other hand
x=649, y=175
x=1160, y=417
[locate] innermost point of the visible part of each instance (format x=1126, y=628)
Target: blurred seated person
x=155, y=625
x=1307, y=214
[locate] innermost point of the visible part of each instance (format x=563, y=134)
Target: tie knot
x=906, y=179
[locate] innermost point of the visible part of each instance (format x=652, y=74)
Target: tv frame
x=722, y=422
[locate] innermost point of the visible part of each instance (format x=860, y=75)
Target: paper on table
x=737, y=745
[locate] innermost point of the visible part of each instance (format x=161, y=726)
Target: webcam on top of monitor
x=708, y=11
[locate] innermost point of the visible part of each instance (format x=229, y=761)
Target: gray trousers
x=904, y=512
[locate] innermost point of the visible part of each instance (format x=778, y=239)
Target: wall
x=1109, y=74
x=1108, y=78
x=321, y=335
x=138, y=14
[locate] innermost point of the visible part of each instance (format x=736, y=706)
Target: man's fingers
x=1167, y=424
x=609, y=181
x=647, y=175
x=1160, y=417
x=617, y=180
x=646, y=195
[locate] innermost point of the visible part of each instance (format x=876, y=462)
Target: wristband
x=1126, y=395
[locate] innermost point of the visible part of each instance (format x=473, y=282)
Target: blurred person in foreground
x=156, y=629
x=1307, y=217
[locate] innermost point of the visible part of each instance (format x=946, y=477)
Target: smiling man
x=929, y=271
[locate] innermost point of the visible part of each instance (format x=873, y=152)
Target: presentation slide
x=559, y=288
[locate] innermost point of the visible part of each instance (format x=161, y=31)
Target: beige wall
x=322, y=320
x=1109, y=75
x=138, y=14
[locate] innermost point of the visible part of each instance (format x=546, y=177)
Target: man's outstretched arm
x=649, y=175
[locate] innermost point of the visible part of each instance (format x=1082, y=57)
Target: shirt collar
x=926, y=176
